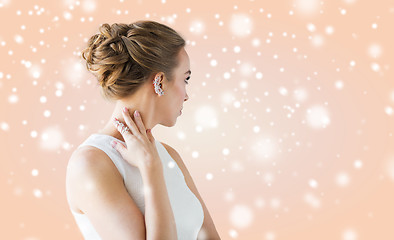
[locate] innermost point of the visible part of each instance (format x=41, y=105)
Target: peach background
x=288, y=136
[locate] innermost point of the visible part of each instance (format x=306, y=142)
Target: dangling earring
x=158, y=89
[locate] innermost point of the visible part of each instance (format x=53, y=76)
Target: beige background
x=288, y=132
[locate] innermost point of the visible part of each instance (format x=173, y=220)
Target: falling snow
x=290, y=112
x=318, y=117
x=241, y=25
x=241, y=216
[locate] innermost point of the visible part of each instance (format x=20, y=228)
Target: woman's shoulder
x=89, y=158
x=90, y=162
x=89, y=168
x=86, y=154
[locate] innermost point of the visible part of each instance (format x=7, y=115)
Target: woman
x=138, y=188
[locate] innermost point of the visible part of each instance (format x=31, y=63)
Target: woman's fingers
x=130, y=123
x=139, y=122
x=150, y=136
x=136, y=126
x=121, y=127
x=119, y=147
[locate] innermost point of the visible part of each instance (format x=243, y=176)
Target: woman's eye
x=187, y=79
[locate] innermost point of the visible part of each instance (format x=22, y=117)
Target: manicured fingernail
x=113, y=144
x=136, y=113
x=125, y=109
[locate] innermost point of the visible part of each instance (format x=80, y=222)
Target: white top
x=186, y=207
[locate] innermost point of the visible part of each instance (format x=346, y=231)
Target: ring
x=125, y=130
x=122, y=128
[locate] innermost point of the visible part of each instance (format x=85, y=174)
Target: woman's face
x=171, y=103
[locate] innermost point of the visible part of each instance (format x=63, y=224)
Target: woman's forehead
x=183, y=56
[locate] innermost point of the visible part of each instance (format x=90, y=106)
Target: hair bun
x=105, y=50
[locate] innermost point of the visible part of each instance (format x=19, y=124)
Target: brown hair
x=120, y=71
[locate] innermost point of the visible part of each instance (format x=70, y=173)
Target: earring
x=158, y=89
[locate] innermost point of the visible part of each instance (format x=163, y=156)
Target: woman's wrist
x=151, y=172
x=151, y=164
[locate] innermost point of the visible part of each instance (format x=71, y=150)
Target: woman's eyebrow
x=190, y=72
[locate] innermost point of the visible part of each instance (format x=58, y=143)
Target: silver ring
x=125, y=130
x=122, y=128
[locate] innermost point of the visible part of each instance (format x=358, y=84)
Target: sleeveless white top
x=188, y=212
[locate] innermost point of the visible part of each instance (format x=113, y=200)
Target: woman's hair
x=120, y=71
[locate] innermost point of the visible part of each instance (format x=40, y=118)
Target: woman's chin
x=169, y=124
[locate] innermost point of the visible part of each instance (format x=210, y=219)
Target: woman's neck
x=145, y=108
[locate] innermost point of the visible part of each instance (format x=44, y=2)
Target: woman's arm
x=159, y=217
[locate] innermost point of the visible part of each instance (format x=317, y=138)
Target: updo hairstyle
x=120, y=71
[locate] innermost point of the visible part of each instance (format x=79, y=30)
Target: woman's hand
x=140, y=150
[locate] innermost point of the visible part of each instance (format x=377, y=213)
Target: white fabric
x=188, y=212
